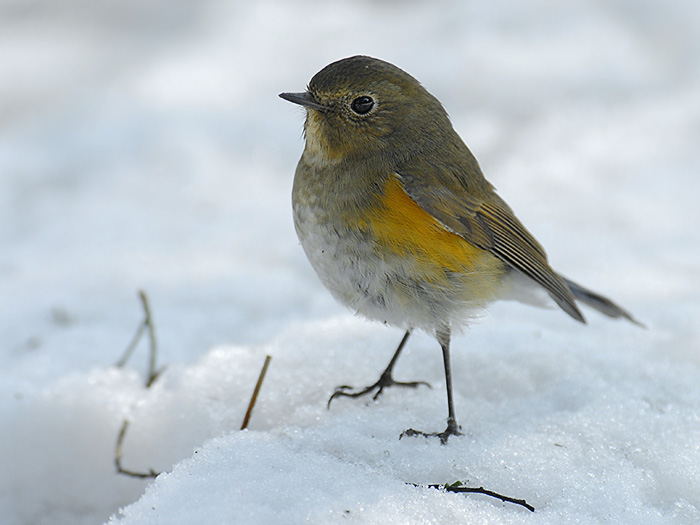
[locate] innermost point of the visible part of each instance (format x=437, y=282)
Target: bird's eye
x=362, y=105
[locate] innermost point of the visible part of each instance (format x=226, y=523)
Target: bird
x=397, y=219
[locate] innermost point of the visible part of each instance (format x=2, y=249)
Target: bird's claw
x=384, y=381
x=451, y=430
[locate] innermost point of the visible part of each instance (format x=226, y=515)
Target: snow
x=143, y=146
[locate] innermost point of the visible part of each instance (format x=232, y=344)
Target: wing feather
x=482, y=218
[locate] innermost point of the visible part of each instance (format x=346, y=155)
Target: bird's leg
x=443, y=337
x=385, y=380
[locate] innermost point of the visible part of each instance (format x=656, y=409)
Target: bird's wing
x=482, y=218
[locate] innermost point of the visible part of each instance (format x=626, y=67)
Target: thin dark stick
x=459, y=488
x=152, y=376
x=146, y=323
x=118, y=457
x=132, y=345
x=254, y=397
x=152, y=373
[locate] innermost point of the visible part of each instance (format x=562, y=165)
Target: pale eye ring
x=362, y=105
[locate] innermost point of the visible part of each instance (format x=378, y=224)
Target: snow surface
x=143, y=146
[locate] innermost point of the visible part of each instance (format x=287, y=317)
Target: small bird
x=398, y=221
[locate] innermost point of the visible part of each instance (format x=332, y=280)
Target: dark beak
x=303, y=99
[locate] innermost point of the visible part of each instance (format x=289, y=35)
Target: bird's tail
x=600, y=303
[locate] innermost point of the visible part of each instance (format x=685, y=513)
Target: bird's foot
x=384, y=381
x=451, y=430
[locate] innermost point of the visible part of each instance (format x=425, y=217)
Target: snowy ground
x=143, y=146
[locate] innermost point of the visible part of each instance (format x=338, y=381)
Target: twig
x=118, y=457
x=146, y=323
x=459, y=488
x=132, y=345
x=254, y=397
x=153, y=374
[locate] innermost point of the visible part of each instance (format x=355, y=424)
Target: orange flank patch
x=404, y=228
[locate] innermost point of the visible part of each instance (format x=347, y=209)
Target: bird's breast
x=381, y=254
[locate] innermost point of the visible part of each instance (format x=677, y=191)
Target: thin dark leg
x=385, y=380
x=452, y=429
x=452, y=426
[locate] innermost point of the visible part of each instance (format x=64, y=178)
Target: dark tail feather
x=600, y=303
